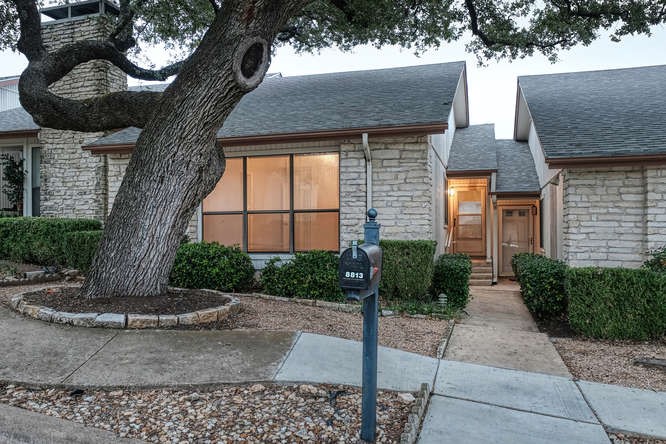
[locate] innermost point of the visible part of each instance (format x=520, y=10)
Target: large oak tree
x=227, y=46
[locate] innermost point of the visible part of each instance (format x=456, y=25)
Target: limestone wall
x=74, y=182
x=402, y=186
x=612, y=216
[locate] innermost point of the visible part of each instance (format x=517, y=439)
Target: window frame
x=245, y=212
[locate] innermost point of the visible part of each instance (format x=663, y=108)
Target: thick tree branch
x=30, y=42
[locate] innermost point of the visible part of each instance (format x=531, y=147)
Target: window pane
x=268, y=233
x=268, y=183
x=316, y=231
x=226, y=229
x=228, y=193
x=316, y=182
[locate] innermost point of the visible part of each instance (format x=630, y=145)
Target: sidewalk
x=472, y=402
x=500, y=332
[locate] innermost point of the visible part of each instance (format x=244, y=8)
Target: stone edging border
x=122, y=320
x=39, y=277
x=415, y=418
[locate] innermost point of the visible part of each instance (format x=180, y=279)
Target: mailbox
x=360, y=267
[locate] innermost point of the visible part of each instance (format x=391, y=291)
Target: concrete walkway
x=500, y=332
x=471, y=403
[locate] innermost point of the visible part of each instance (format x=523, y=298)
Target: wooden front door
x=516, y=235
x=470, y=226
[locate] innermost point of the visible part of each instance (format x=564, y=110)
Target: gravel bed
x=250, y=413
x=417, y=335
x=612, y=362
x=620, y=438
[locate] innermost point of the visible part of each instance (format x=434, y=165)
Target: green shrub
x=541, y=284
x=39, y=240
x=516, y=259
x=212, y=266
x=657, y=261
x=80, y=247
x=406, y=270
x=617, y=303
x=311, y=275
x=451, y=277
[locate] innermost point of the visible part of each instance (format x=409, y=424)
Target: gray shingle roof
x=16, y=119
x=473, y=149
x=620, y=112
x=348, y=100
x=515, y=168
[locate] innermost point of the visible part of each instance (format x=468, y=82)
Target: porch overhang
x=469, y=173
x=431, y=128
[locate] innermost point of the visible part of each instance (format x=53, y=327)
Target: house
x=307, y=155
x=583, y=178
x=598, y=140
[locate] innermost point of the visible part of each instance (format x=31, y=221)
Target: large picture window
x=276, y=204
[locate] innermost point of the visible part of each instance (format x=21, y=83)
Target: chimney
x=73, y=181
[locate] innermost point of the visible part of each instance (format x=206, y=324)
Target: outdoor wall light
x=452, y=191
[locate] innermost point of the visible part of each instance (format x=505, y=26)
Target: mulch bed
x=171, y=303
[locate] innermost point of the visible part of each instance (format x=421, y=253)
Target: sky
x=492, y=88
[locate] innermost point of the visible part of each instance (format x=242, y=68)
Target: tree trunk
x=176, y=161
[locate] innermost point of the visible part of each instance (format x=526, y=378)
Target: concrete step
x=482, y=269
x=487, y=275
x=482, y=282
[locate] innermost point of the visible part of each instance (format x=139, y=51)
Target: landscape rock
x=45, y=314
x=188, y=318
x=142, y=321
x=167, y=320
x=83, y=319
x=407, y=398
x=34, y=274
x=111, y=320
x=207, y=316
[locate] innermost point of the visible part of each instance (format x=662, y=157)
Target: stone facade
x=402, y=185
x=655, y=178
x=612, y=216
x=74, y=182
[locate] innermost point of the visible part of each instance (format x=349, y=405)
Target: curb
x=122, y=320
x=441, y=350
x=416, y=416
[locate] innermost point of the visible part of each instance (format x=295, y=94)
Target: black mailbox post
x=360, y=271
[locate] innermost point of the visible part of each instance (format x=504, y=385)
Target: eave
x=564, y=162
x=16, y=134
x=430, y=128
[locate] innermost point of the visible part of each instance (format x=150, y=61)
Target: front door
x=469, y=206
x=516, y=235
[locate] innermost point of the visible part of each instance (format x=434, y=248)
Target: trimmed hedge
x=311, y=275
x=407, y=270
x=617, y=303
x=39, y=240
x=541, y=282
x=80, y=248
x=451, y=277
x=212, y=266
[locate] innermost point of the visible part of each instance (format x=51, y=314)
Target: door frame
x=469, y=184
x=532, y=228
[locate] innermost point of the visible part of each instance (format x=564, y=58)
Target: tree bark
x=176, y=161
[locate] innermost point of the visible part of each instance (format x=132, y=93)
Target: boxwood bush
x=541, y=282
x=617, y=303
x=80, y=247
x=212, y=266
x=311, y=275
x=39, y=240
x=451, y=277
x=407, y=270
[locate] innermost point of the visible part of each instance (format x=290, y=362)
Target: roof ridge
x=627, y=68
